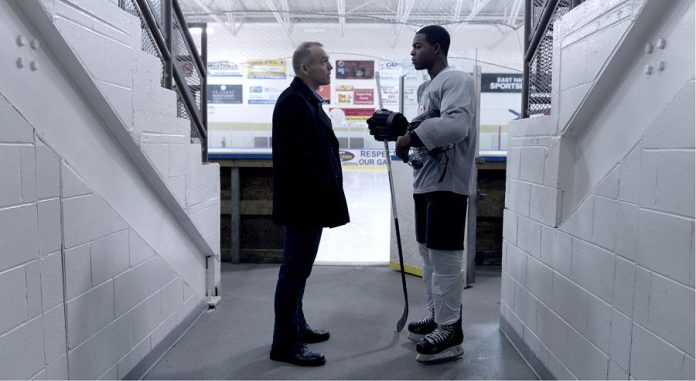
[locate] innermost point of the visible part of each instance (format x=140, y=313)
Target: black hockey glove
x=387, y=125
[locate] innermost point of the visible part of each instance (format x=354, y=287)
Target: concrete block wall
x=85, y=294
x=84, y=297
x=108, y=42
x=606, y=292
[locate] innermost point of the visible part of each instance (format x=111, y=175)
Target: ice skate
x=443, y=343
x=418, y=329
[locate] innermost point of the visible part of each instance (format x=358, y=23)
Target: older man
x=307, y=196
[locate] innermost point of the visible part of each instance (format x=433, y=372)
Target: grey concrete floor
x=360, y=306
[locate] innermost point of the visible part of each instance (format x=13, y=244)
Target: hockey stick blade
x=402, y=322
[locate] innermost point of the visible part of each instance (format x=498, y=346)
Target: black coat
x=307, y=176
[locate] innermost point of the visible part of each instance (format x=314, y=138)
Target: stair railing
x=167, y=36
x=539, y=17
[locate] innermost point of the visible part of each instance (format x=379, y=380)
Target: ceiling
x=236, y=13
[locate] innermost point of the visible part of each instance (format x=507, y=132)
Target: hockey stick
x=402, y=322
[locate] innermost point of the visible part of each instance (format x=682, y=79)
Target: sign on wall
x=224, y=69
x=225, y=94
x=267, y=69
x=364, y=97
x=325, y=92
x=344, y=94
x=501, y=83
x=263, y=95
x=351, y=114
x=355, y=69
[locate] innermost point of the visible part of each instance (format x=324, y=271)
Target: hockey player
x=445, y=145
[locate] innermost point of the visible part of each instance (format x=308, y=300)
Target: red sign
x=325, y=92
x=364, y=97
x=357, y=114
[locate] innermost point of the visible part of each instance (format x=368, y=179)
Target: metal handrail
x=154, y=29
x=534, y=34
x=204, y=58
x=163, y=42
x=190, y=103
x=540, y=30
x=524, y=112
x=189, y=41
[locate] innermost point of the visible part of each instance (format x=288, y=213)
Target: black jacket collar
x=299, y=85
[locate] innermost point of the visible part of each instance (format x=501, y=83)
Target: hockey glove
x=387, y=125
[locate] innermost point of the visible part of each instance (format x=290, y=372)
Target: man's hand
x=403, y=143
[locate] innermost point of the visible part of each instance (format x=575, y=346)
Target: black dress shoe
x=309, y=336
x=301, y=356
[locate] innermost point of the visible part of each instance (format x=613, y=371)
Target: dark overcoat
x=307, y=176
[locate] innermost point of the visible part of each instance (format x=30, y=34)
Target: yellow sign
x=267, y=69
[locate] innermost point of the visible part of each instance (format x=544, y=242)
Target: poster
x=325, y=92
x=364, y=96
x=267, y=69
x=344, y=95
x=223, y=69
x=351, y=114
x=264, y=95
x=225, y=94
x=355, y=69
x=501, y=83
x=389, y=74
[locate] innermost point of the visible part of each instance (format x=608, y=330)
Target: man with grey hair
x=307, y=196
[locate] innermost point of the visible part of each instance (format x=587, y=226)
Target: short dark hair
x=302, y=55
x=435, y=34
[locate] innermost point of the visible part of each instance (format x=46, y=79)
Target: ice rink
x=365, y=240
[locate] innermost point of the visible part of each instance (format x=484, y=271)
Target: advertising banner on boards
x=364, y=157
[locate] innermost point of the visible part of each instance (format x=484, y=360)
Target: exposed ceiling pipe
x=478, y=7
x=341, y=10
x=458, y=10
x=403, y=11
x=280, y=21
x=215, y=17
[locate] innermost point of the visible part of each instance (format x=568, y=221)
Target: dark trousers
x=299, y=252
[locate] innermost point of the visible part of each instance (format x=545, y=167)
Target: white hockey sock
x=447, y=284
x=427, y=276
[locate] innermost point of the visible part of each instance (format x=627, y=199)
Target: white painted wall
x=238, y=125
x=603, y=287
x=106, y=211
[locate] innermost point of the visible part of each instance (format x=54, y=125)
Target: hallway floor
x=360, y=306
